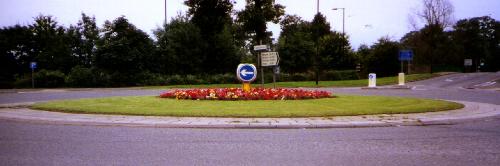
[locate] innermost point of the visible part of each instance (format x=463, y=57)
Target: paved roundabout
x=46, y=138
x=472, y=111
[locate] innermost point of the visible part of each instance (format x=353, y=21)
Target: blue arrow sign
x=33, y=65
x=405, y=55
x=246, y=72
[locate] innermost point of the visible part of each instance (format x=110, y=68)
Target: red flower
x=239, y=94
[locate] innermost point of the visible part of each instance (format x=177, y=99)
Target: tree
x=211, y=16
x=335, y=52
x=15, y=53
x=213, y=19
x=383, y=58
x=180, y=47
x=89, y=37
x=295, y=45
x=476, y=37
x=319, y=29
x=254, y=17
x=123, y=51
x=437, y=12
x=50, y=47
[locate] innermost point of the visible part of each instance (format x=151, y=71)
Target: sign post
x=33, y=67
x=260, y=48
x=246, y=73
x=270, y=59
x=404, y=55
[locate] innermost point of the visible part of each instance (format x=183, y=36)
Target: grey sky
x=366, y=20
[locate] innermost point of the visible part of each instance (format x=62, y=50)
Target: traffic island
x=471, y=112
x=341, y=105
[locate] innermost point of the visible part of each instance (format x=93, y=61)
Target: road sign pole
x=402, y=67
x=274, y=80
x=32, y=78
x=246, y=86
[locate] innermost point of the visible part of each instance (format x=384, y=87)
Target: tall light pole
x=343, y=18
x=317, y=6
x=165, y=11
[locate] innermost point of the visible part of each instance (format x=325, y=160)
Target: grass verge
x=343, y=105
x=342, y=83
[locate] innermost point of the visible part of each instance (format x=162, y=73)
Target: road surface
x=474, y=143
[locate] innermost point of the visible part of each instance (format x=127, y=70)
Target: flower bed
x=239, y=94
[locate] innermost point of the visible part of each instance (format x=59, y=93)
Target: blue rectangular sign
x=405, y=55
x=33, y=65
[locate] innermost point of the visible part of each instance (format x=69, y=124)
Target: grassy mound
x=343, y=105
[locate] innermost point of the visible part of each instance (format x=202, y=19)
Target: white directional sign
x=269, y=58
x=260, y=47
x=467, y=62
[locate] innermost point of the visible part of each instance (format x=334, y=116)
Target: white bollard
x=401, y=79
x=372, y=80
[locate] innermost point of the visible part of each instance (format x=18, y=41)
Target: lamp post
x=165, y=11
x=343, y=18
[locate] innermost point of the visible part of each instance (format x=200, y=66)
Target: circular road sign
x=246, y=72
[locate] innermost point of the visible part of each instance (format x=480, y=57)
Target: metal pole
x=317, y=6
x=343, y=20
x=32, y=78
x=165, y=11
x=274, y=78
x=402, y=67
x=261, y=68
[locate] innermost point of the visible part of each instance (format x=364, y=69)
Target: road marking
x=486, y=84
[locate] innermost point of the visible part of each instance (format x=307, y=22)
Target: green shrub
x=175, y=80
x=81, y=77
x=49, y=79
x=299, y=77
x=23, y=81
x=348, y=75
x=148, y=78
x=193, y=80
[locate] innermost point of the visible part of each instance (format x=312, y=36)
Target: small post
x=261, y=67
x=246, y=86
x=33, y=67
x=32, y=78
x=402, y=71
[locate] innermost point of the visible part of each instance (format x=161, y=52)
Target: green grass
x=342, y=105
x=343, y=83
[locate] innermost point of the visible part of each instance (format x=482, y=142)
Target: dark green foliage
x=304, y=46
x=15, y=53
x=254, y=17
x=123, y=52
x=49, y=79
x=381, y=58
x=51, y=49
x=478, y=39
x=180, y=47
x=81, y=77
x=219, y=52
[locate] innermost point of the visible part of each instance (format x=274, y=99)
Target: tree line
x=207, y=43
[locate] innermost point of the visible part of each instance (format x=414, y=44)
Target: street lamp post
x=165, y=11
x=343, y=18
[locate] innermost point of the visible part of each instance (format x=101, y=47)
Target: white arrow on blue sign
x=246, y=72
x=33, y=65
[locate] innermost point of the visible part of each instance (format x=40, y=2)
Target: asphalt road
x=474, y=143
